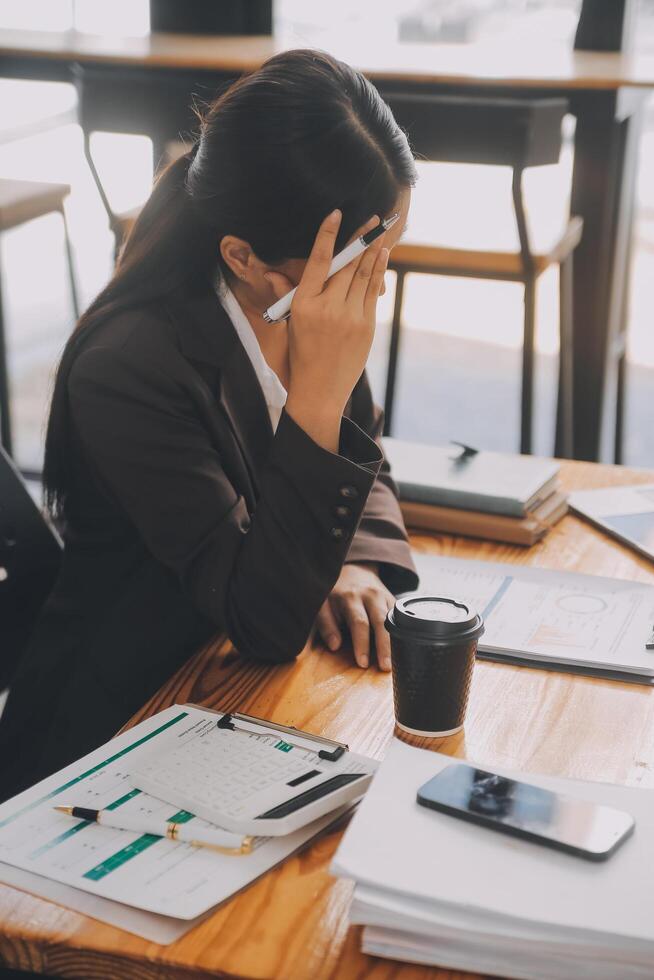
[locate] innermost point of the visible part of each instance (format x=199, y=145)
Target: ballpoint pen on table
x=216, y=840
x=282, y=308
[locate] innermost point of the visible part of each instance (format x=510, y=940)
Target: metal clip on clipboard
x=332, y=754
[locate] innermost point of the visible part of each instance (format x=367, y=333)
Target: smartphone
x=587, y=830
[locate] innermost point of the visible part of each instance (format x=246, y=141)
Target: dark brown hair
x=277, y=151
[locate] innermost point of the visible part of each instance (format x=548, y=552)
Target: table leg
x=606, y=149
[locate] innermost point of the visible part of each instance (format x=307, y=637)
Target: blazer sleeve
x=381, y=536
x=261, y=578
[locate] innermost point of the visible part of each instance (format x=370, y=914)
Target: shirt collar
x=274, y=391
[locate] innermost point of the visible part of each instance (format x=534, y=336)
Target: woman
x=211, y=471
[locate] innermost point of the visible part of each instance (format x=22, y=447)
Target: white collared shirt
x=273, y=390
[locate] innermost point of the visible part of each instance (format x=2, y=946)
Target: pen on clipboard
x=214, y=840
x=282, y=308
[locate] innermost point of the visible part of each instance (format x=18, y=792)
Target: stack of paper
x=434, y=889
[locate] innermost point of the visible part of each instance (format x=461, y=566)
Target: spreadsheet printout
x=148, y=872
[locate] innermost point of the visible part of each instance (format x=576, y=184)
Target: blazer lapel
x=208, y=336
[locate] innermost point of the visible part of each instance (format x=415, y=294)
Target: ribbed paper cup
x=433, y=649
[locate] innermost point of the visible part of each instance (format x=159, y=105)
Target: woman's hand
x=330, y=331
x=358, y=601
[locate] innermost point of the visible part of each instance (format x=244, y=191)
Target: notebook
x=524, y=531
x=495, y=483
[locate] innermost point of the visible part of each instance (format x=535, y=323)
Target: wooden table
x=145, y=85
x=293, y=923
x=547, y=66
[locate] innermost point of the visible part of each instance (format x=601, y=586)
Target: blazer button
x=349, y=492
x=342, y=511
x=338, y=533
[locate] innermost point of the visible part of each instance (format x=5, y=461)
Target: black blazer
x=187, y=517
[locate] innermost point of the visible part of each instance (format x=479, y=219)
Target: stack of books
x=437, y=890
x=459, y=490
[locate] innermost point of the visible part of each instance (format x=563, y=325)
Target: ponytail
x=169, y=245
x=168, y=249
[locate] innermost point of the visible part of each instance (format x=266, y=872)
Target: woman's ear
x=237, y=255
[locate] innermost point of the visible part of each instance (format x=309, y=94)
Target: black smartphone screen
x=586, y=829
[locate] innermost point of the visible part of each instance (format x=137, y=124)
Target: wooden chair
x=517, y=134
x=99, y=112
x=22, y=201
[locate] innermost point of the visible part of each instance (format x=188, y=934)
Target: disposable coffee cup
x=433, y=648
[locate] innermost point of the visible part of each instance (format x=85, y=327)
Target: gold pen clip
x=172, y=833
x=245, y=848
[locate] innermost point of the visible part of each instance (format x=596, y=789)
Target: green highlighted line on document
x=89, y=772
x=132, y=850
x=82, y=825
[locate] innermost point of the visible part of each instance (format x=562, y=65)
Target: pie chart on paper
x=582, y=603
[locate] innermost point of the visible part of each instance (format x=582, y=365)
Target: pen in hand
x=282, y=308
x=216, y=840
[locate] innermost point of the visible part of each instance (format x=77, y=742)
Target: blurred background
x=461, y=352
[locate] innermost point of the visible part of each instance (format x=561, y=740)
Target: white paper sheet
x=397, y=845
x=503, y=962
x=161, y=929
x=551, y=617
x=154, y=875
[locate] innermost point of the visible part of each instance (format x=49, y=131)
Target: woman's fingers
x=375, y=283
x=376, y=608
x=327, y=626
x=358, y=624
x=339, y=284
x=360, y=282
x=320, y=259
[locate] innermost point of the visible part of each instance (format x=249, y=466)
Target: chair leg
x=393, y=353
x=113, y=224
x=5, y=400
x=71, y=267
x=528, y=347
x=563, y=445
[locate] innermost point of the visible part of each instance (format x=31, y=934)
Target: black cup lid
x=434, y=615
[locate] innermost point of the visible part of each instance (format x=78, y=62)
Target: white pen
x=216, y=840
x=282, y=308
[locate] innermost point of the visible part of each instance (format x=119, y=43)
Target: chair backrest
x=516, y=133
x=27, y=542
x=130, y=100
x=30, y=555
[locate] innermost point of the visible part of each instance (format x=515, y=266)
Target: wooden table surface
x=550, y=65
x=293, y=923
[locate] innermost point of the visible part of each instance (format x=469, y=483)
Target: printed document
x=598, y=624
x=141, y=870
